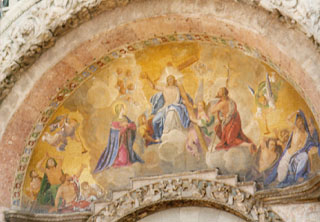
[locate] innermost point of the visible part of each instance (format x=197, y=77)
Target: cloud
x=237, y=160
x=173, y=144
x=100, y=95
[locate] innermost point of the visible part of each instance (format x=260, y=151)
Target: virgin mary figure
x=294, y=164
x=119, y=150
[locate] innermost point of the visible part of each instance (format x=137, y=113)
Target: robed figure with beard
x=229, y=128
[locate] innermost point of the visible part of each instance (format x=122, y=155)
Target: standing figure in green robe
x=51, y=179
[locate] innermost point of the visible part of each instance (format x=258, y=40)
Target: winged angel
x=63, y=128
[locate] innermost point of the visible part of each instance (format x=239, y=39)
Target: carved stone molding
x=34, y=27
x=15, y=216
x=305, y=192
x=304, y=12
x=205, y=188
x=150, y=195
x=25, y=37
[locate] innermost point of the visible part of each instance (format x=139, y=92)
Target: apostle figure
x=167, y=106
x=51, y=179
x=266, y=158
x=119, y=151
x=35, y=184
x=68, y=195
x=229, y=128
x=294, y=165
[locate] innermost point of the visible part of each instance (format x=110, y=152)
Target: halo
x=117, y=103
x=169, y=70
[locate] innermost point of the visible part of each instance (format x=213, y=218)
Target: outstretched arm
x=216, y=108
x=40, y=163
x=151, y=83
x=59, y=161
x=193, y=120
x=146, y=136
x=78, y=174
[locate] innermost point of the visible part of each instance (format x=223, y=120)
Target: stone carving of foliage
x=305, y=12
x=37, y=28
x=193, y=189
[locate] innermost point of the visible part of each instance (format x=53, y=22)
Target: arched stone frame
x=181, y=203
x=175, y=191
x=33, y=26
x=192, y=24
x=71, y=85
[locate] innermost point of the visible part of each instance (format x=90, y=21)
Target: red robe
x=122, y=158
x=229, y=129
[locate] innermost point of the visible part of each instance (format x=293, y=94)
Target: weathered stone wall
x=308, y=212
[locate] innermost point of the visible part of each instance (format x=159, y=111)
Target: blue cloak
x=157, y=102
x=299, y=166
x=110, y=153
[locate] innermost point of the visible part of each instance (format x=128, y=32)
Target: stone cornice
x=201, y=188
x=206, y=188
x=17, y=216
x=304, y=192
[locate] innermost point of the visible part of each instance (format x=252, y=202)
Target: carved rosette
x=230, y=197
x=37, y=30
